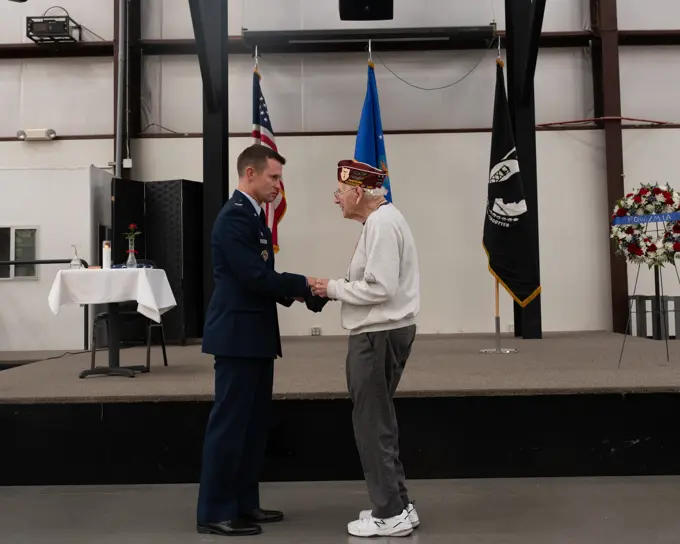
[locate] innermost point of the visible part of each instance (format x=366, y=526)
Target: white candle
x=106, y=254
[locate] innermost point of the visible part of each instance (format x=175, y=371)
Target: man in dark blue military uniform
x=242, y=332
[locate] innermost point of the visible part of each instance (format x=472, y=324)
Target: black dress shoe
x=229, y=528
x=262, y=516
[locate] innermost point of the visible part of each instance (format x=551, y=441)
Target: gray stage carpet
x=314, y=367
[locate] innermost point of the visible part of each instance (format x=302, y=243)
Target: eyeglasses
x=338, y=192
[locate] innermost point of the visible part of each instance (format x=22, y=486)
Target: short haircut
x=256, y=157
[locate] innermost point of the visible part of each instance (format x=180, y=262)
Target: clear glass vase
x=131, y=260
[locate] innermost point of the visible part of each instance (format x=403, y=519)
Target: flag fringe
x=522, y=303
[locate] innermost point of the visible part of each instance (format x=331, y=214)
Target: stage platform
x=314, y=368
x=558, y=407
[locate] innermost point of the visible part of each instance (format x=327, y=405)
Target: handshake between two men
x=318, y=286
x=317, y=297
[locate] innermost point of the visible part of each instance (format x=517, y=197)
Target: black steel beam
x=209, y=19
x=44, y=51
x=596, y=65
x=522, y=112
x=536, y=25
x=114, y=67
x=274, y=44
x=237, y=46
x=134, y=94
x=605, y=26
x=649, y=37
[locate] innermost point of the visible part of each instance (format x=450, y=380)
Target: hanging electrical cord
x=78, y=25
x=443, y=86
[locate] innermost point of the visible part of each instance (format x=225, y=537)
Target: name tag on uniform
x=263, y=241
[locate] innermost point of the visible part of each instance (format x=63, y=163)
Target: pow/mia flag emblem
x=503, y=213
x=512, y=259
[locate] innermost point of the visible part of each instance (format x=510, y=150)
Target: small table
x=149, y=287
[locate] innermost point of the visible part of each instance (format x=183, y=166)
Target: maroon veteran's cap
x=359, y=174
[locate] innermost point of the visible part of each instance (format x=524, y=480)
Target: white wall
x=650, y=156
x=325, y=92
x=71, y=96
x=171, y=18
x=439, y=182
x=46, y=184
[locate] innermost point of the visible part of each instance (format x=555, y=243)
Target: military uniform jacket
x=242, y=318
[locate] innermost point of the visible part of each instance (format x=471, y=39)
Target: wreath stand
x=630, y=230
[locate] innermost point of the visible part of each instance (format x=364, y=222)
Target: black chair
x=130, y=310
x=151, y=325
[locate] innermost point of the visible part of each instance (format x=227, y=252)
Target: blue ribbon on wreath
x=647, y=218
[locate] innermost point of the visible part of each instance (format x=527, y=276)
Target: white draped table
x=149, y=287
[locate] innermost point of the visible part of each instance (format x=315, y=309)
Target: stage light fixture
x=52, y=29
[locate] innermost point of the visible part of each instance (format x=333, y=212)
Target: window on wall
x=18, y=244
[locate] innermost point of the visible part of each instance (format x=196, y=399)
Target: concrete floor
x=522, y=511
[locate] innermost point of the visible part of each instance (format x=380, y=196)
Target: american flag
x=263, y=133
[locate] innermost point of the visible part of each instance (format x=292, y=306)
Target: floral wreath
x=651, y=203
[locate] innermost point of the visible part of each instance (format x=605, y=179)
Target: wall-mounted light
x=36, y=135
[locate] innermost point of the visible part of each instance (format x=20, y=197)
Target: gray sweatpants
x=375, y=363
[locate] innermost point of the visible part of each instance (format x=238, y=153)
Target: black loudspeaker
x=174, y=211
x=366, y=10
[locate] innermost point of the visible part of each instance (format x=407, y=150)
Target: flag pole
x=498, y=320
x=498, y=348
x=497, y=315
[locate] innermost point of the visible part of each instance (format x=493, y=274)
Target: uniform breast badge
x=265, y=254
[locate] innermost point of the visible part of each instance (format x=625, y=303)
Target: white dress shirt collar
x=258, y=208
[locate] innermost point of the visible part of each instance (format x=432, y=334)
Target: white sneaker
x=369, y=526
x=410, y=510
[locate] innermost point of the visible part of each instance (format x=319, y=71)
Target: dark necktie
x=263, y=219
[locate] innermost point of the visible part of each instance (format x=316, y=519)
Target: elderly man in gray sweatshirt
x=380, y=298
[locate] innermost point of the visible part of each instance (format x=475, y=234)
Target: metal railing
x=86, y=308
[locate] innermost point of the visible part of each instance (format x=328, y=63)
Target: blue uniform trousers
x=235, y=439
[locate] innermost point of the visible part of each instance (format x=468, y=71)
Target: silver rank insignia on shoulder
x=265, y=254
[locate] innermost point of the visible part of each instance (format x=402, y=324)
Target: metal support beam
x=134, y=88
x=536, y=18
x=209, y=18
x=129, y=124
x=606, y=50
x=120, y=80
x=518, y=24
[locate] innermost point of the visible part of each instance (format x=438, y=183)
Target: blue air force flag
x=370, y=142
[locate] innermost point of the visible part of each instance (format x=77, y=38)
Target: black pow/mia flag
x=506, y=236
